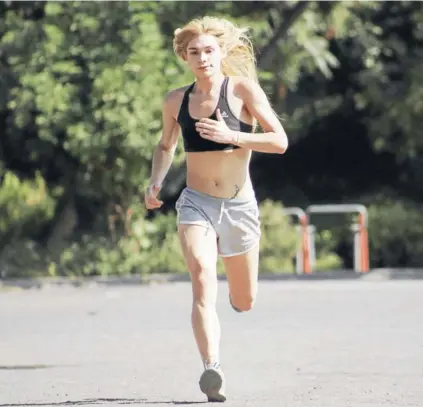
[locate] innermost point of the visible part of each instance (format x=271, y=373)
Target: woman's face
x=204, y=56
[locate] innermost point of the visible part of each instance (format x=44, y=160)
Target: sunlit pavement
x=305, y=344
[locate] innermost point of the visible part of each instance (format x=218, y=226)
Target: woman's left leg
x=242, y=274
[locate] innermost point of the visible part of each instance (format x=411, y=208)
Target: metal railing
x=306, y=253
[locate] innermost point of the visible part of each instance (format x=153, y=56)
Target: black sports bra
x=193, y=142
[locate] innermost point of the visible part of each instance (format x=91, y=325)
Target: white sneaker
x=212, y=383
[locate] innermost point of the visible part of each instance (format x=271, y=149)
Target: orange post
x=305, y=245
x=364, y=244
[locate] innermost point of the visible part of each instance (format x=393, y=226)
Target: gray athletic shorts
x=236, y=221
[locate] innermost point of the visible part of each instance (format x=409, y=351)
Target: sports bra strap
x=186, y=96
x=224, y=90
x=222, y=96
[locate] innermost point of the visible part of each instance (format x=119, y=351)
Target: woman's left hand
x=216, y=131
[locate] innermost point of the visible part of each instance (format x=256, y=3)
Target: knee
x=204, y=284
x=243, y=304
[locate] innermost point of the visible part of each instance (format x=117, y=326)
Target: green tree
x=89, y=80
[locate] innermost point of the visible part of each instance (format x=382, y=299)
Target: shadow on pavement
x=102, y=401
x=25, y=367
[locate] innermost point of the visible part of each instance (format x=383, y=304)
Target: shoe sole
x=211, y=382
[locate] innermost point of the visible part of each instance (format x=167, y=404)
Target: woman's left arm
x=274, y=138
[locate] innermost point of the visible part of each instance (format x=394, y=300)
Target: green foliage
x=279, y=240
x=325, y=246
x=81, y=89
x=134, y=245
x=164, y=254
x=94, y=92
x=98, y=255
x=25, y=206
x=395, y=234
x=22, y=258
x=391, y=83
x=329, y=261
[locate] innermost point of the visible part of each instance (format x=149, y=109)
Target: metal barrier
x=306, y=252
x=361, y=240
x=303, y=255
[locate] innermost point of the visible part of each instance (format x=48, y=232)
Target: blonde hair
x=239, y=57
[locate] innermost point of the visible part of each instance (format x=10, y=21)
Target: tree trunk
x=265, y=57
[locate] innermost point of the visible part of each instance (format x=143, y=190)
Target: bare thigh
x=199, y=247
x=242, y=275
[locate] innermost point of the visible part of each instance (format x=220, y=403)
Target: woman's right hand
x=150, y=197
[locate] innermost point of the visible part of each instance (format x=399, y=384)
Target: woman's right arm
x=164, y=151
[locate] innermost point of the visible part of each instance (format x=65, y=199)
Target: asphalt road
x=306, y=344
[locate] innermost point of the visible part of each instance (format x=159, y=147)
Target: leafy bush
x=25, y=205
x=325, y=245
x=164, y=253
x=279, y=239
x=23, y=258
x=139, y=245
x=395, y=234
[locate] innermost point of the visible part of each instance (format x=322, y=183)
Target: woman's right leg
x=199, y=248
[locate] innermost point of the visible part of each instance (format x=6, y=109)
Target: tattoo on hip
x=236, y=192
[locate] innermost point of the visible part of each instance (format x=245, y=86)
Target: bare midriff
x=222, y=174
